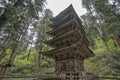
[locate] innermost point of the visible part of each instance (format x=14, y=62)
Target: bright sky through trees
x=58, y=5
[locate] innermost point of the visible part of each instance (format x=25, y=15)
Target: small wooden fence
x=39, y=78
x=20, y=78
x=110, y=77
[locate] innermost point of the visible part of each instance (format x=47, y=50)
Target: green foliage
x=49, y=63
x=104, y=62
x=110, y=77
x=104, y=16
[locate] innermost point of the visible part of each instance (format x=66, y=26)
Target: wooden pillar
x=82, y=76
x=2, y=72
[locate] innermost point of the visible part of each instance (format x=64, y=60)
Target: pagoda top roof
x=64, y=13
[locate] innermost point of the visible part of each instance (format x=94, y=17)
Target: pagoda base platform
x=73, y=76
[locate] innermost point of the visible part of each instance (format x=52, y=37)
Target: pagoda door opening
x=63, y=67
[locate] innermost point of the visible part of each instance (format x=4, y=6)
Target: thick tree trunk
x=2, y=72
x=29, y=53
x=38, y=61
x=115, y=36
x=13, y=55
x=5, y=47
x=15, y=52
x=3, y=20
x=99, y=30
x=11, y=60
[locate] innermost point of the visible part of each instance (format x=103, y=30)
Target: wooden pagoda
x=70, y=45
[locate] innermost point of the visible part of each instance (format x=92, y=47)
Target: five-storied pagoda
x=70, y=45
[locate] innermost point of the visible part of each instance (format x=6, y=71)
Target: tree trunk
x=2, y=72
x=115, y=36
x=13, y=55
x=38, y=61
x=5, y=47
x=99, y=30
x=29, y=53
x=15, y=52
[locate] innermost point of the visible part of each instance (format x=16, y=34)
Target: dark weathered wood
x=64, y=13
x=66, y=25
x=70, y=45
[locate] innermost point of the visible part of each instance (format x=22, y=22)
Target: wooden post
x=2, y=72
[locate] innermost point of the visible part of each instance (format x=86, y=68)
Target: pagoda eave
x=61, y=37
x=52, y=32
x=49, y=44
x=84, y=50
x=72, y=23
x=78, y=29
x=53, y=41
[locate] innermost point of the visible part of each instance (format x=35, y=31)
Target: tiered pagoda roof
x=68, y=36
